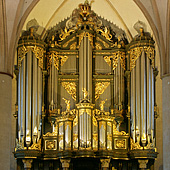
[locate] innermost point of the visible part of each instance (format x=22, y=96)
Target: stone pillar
x=143, y=164
x=166, y=121
x=65, y=163
x=105, y=164
x=27, y=164
x=5, y=120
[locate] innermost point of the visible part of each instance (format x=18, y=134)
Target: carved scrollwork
x=105, y=33
x=86, y=34
x=108, y=59
x=100, y=87
x=106, y=45
x=53, y=57
x=36, y=146
x=135, y=146
x=135, y=53
x=38, y=51
x=66, y=44
x=120, y=144
x=70, y=87
x=65, y=33
x=116, y=56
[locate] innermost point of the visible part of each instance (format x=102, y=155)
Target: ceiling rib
x=121, y=19
x=54, y=14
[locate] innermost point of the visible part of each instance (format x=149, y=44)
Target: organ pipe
x=30, y=65
x=142, y=95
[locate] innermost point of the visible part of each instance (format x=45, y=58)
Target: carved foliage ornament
x=100, y=87
x=38, y=51
x=105, y=33
x=86, y=34
x=135, y=53
x=115, y=57
x=54, y=57
x=70, y=87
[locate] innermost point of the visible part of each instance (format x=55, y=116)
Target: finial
x=141, y=31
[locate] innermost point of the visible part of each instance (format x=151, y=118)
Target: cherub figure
x=102, y=104
x=85, y=92
x=67, y=104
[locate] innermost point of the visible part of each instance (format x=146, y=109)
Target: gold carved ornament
x=73, y=46
x=102, y=104
x=100, y=87
x=36, y=146
x=70, y=87
x=67, y=102
x=103, y=42
x=135, y=146
x=150, y=52
x=107, y=59
x=116, y=132
x=21, y=54
x=63, y=59
x=65, y=33
x=50, y=145
x=66, y=44
x=38, y=51
x=135, y=53
x=86, y=34
x=120, y=144
x=98, y=46
x=53, y=57
x=116, y=56
x=105, y=33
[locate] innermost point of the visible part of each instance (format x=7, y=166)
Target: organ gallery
x=85, y=96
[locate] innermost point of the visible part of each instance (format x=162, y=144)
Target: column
x=65, y=163
x=27, y=164
x=166, y=120
x=5, y=117
x=143, y=164
x=105, y=164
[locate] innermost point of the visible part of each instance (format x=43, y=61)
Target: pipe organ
x=85, y=96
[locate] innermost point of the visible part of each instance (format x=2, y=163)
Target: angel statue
x=67, y=104
x=102, y=104
x=85, y=93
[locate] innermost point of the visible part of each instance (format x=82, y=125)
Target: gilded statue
x=102, y=104
x=85, y=93
x=67, y=104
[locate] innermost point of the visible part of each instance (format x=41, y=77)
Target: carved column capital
x=27, y=163
x=143, y=163
x=105, y=163
x=65, y=163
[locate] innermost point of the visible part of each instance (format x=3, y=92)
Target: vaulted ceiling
x=15, y=14
x=118, y=12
